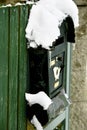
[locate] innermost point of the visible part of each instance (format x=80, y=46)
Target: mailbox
x=47, y=67
x=47, y=70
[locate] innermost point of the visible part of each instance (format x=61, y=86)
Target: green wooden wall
x=13, y=67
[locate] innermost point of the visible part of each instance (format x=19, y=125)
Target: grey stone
x=78, y=116
x=78, y=109
x=81, y=2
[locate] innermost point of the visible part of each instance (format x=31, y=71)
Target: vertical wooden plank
x=3, y=67
x=13, y=68
x=22, y=68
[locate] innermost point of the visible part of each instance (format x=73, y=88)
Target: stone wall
x=78, y=109
x=10, y=1
x=81, y=2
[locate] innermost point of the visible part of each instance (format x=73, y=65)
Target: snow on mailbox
x=50, y=26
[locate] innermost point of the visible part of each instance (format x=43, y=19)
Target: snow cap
x=45, y=19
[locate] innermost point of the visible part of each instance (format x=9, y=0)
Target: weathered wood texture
x=13, y=67
x=3, y=68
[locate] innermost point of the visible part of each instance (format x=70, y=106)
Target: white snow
x=66, y=96
x=4, y=6
x=66, y=6
x=36, y=123
x=40, y=98
x=10, y=5
x=19, y=4
x=45, y=18
x=30, y=2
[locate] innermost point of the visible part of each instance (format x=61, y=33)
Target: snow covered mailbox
x=50, y=30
